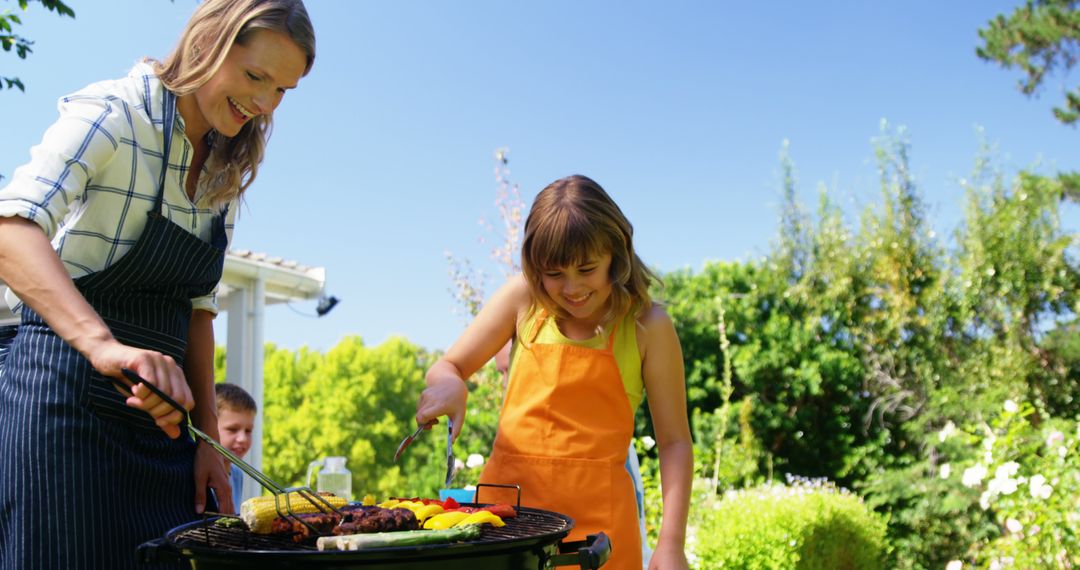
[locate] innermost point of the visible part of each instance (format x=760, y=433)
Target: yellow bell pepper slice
x=368, y=501
x=481, y=517
x=444, y=521
x=425, y=512
x=389, y=504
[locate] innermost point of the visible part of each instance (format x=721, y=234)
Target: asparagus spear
x=398, y=538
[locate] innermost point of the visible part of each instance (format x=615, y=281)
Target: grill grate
x=529, y=524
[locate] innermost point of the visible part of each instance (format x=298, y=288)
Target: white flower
x=648, y=442
x=947, y=431
x=945, y=471
x=1002, y=485
x=1010, y=406
x=1013, y=525
x=1007, y=469
x=474, y=460
x=984, y=500
x=1054, y=437
x=954, y=565
x=1038, y=487
x=973, y=475
x=1062, y=452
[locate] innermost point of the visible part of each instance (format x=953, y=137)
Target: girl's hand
x=210, y=471
x=668, y=557
x=446, y=395
x=159, y=369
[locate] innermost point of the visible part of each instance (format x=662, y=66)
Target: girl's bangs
x=564, y=241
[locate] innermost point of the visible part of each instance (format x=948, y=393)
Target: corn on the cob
x=259, y=512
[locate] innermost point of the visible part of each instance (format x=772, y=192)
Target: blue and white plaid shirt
x=95, y=175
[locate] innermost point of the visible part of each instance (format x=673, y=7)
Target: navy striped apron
x=85, y=479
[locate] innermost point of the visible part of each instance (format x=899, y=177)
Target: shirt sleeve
x=209, y=302
x=77, y=146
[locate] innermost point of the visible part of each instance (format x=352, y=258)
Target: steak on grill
x=356, y=519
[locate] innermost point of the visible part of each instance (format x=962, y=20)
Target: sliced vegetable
x=481, y=517
x=399, y=538
x=425, y=512
x=368, y=501
x=501, y=510
x=389, y=504
x=445, y=520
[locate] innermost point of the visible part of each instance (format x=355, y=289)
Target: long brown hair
x=212, y=30
x=571, y=220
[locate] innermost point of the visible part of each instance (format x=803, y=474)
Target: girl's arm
x=665, y=384
x=210, y=468
x=446, y=392
x=32, y=269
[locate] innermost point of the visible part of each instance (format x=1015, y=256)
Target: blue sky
x=382, y=160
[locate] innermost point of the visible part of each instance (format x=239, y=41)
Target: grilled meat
x=357, y=519
x=323, y=523
x=377, y=519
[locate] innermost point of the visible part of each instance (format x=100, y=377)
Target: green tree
x=1038, y=37
x=354, y=401
x=10, y=40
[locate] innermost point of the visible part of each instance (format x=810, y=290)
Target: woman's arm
x=210, y=468
x=32, y=269
x=665, y=384
x=446, y=393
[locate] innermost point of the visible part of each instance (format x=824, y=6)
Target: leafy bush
x=805, y=525
x=1026, y=472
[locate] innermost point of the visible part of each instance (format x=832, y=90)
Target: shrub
x=804, y=525
x=1028, y=477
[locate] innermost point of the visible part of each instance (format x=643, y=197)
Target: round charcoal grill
x=532, y=539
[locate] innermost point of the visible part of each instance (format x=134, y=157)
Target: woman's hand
x=210, y=471
x=156, y=368
x=445, y=395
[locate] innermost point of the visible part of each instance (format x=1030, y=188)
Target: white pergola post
x=249, y=282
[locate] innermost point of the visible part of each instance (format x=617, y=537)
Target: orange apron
x=564, y=429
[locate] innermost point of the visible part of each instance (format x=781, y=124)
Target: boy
x=236, y=420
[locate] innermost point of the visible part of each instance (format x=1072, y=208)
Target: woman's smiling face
x=250, y=82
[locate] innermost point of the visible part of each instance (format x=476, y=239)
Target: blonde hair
x=570, y=221
x=212, y=30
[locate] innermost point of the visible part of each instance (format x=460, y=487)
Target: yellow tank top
x=627, y=356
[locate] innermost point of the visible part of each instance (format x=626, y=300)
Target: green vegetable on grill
x=398, y=538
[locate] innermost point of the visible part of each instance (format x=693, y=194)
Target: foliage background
x=839, y=355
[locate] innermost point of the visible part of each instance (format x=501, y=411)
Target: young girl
x=112, y=240
x=587, y=342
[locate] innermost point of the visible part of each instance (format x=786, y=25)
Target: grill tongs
x=281, y=494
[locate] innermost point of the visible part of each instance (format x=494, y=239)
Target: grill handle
x=157, y=551
x=588, y=554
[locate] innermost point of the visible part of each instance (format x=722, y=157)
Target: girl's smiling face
x=581, y=289
x=250, y=82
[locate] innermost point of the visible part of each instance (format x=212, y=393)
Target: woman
x=112, y=240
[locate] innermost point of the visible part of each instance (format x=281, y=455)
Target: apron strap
x=537, y=324
x=611, y=337
x=168, y=122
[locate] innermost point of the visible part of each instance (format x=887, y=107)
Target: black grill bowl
x=532, y=540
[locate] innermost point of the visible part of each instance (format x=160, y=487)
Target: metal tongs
x=449, y=447
x=282, y=501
